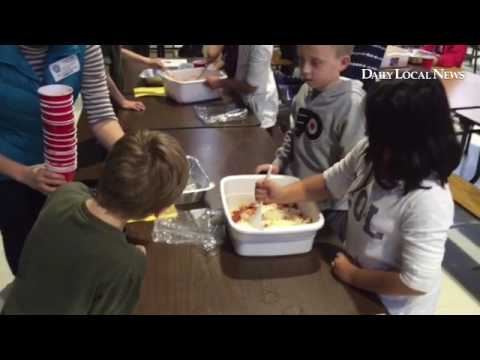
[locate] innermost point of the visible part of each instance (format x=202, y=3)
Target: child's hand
x=214, y=81
x=156, y=63
x=343, y=268
x=132, y=105
x=263, y=169
x=142, y=249
x=268, y=191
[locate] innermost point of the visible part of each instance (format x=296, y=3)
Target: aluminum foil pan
x=198, y=183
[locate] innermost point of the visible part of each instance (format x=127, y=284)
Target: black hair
x=410, y=132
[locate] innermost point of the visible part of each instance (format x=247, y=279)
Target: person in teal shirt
x=24, y=180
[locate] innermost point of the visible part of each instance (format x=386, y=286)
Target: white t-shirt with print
x=390, y=231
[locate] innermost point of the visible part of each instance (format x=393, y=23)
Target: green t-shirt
x=74, y=263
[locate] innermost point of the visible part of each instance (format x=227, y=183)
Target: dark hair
x=410, y=132
x=145, y=172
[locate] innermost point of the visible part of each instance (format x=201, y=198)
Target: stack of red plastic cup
x=59, y=130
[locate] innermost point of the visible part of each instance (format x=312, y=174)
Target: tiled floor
x=5, y=274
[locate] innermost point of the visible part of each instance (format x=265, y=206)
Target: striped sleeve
x=284, y=153
x=365, y=57
x=95, y=94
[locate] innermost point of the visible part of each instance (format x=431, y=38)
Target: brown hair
x=145, y=172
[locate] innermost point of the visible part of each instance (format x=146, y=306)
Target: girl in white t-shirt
x=400, y=204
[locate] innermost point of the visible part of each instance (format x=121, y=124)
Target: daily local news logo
x=405, y=75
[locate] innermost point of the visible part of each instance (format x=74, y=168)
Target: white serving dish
x=239, y=190
x=180, y=87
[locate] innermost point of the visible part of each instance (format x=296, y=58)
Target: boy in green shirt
x=76, y=259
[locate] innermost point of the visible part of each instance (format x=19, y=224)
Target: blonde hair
x=340, y=50
x=343, y=50
x=145, y=172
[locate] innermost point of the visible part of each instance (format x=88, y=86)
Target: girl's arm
x=380, y=282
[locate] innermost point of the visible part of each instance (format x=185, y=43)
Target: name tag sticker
x=63, y=68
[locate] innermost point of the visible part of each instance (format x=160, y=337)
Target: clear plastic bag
x=220, y=113
x=202, y=227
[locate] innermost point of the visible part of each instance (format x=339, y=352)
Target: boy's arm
x=284, y=152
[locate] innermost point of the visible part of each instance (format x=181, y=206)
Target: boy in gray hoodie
x=329, y=122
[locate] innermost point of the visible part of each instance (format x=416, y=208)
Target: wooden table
x=185, y=280
x=163, y=114
x=465, y=194
x=470, y=118
x=462, y=93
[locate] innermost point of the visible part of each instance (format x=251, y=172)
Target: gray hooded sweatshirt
x=328, y=125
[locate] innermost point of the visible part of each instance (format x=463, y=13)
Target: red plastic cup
x=63, y=109
x=60, y=142
x=61, y=153
x=67, y=147
x=60, y=156
x=427, y=64
x=68, y=172
x=69, y=176
x=59, y=137
x=55, y=93
x=59, y=164
x=58, y=117
x=56, y=142
x=46, y=103
x=58, y=123
x=66, y=128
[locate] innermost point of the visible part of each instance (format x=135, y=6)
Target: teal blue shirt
x=20, y=121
